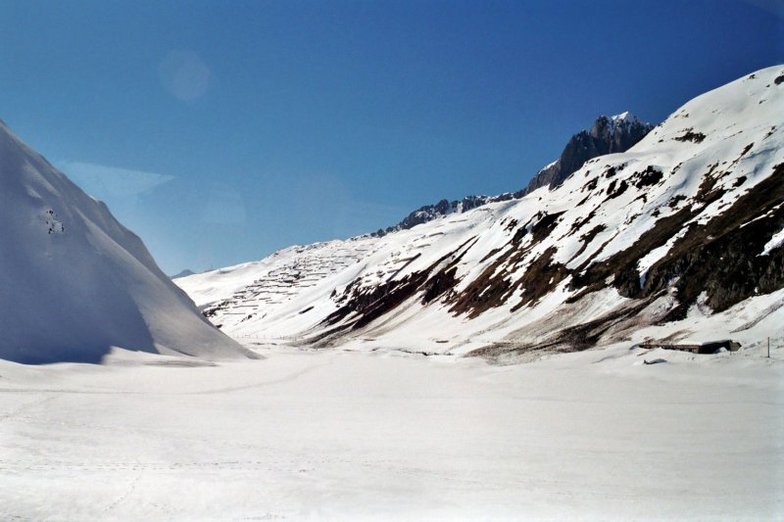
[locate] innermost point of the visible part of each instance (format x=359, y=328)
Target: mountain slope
x=74, y=282
x=677, y=238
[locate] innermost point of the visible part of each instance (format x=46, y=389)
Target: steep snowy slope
x=677, y=238
x=74, y=282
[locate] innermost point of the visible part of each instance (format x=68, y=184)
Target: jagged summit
x=678, y=238
x=607, y=135
x=74, y=283
x=626, y=115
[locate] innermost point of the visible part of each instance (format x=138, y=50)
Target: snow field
x=336, y=435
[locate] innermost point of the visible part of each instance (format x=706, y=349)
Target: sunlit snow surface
x=74, y=282
x=372, y=430
x=336, y=435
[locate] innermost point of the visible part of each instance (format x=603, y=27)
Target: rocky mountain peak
x=607, y=135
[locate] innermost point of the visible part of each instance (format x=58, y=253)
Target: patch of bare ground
x=368, y=304
x=690, y=135
x=722, y=257
x=622, y=266
x=500, y=280
x=611, y=326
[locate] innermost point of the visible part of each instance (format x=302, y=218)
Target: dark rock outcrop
x=606, y=136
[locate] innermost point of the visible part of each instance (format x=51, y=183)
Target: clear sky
x=220, y=131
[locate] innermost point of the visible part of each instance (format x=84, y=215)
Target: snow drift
x=74, y=282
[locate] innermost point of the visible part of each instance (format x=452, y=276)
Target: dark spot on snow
x=588, y=237
x=544, y=226
x=439, y=284
x=690, y=135
x=649, y=176
x=591, y=234
x=613, y=191
x=779, y=79
x=707, y=194
x=577, y=225
x=676, y=200
x=520, y=234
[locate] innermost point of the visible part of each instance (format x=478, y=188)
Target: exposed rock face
x=606, y=136
x=443, y=208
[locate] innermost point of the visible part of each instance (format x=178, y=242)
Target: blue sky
x=220, y=131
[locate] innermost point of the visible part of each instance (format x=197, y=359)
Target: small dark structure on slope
x=704, y=348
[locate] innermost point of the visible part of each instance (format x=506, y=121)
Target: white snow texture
x=74, y=282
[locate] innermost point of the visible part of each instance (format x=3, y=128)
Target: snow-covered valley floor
x=334, y=435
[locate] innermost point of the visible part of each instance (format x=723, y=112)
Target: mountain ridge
x=674, y=239
x=607, y=135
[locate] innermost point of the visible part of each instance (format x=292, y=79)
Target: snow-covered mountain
x=74, y=282
x=678, y=238
x=607, y=135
